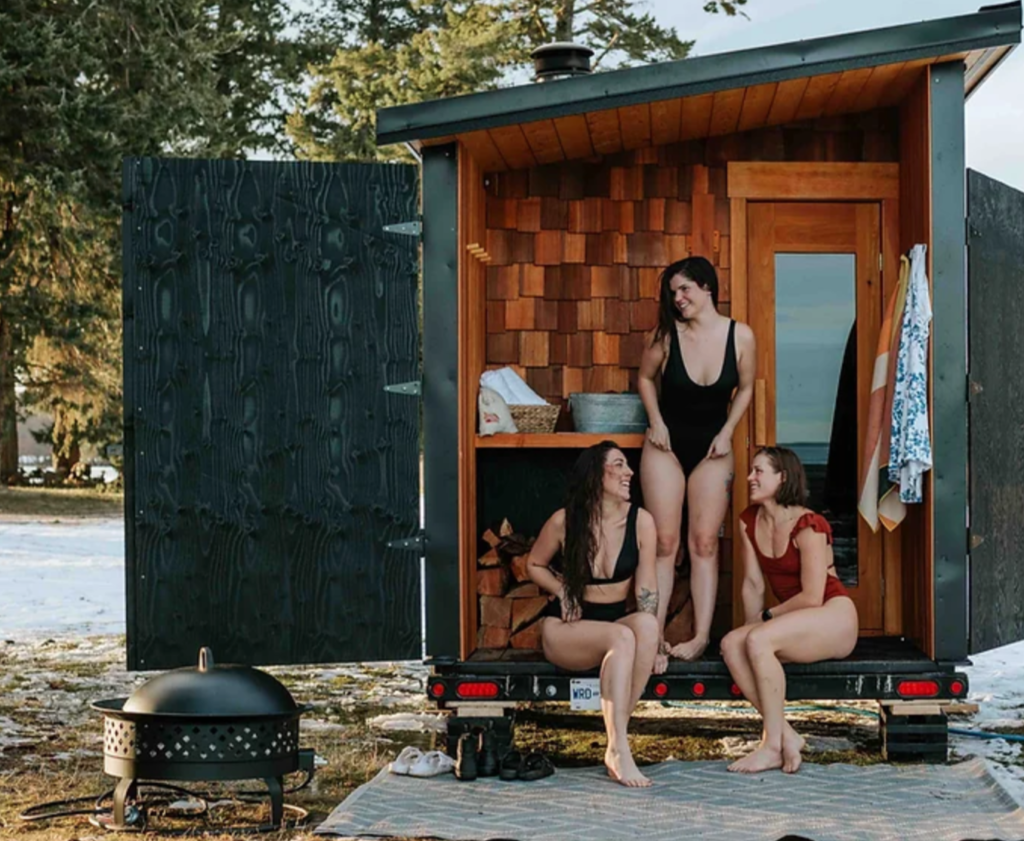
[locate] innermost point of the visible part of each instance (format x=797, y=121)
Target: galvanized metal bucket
x=607, y=412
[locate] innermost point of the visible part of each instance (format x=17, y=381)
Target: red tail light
x=957, y=687
x=437, y=689
x=699, y=689
x=477, y=689
x=735, y=690
x=917, y=688
x=661, y=689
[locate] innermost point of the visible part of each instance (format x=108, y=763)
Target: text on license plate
x=585, y=693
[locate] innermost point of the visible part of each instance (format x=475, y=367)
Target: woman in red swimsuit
x=815, y=619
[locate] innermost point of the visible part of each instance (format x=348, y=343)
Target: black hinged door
x=995, y=266
x=266, y=468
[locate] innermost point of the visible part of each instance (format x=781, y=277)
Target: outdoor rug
x=691, y=800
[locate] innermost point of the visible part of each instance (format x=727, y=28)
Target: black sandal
x=535, y=766
x=511, y=762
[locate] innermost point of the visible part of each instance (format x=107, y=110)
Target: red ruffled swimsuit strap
x=812, y=521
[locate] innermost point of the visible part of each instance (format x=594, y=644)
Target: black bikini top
x=629, y=554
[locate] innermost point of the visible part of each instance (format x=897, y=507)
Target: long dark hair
x=793, y=490
x=582, y=515
x=697, y=269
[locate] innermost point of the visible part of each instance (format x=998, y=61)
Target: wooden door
x=815, y=306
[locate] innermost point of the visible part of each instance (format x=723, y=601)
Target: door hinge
x=974, y=388
x=410, y=229
x=417, y=543
x=409, y=389
x=976, y=540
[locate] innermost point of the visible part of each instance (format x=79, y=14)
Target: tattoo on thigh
x=728, y=481
x=647, y=601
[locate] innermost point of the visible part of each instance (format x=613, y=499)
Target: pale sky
x=995, y=113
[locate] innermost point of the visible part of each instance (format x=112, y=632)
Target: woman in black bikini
x=607, y=546
x=706, y=362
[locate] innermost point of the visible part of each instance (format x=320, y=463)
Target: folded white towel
x=511, y=387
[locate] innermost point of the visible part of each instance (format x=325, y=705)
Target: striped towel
x=877, y=502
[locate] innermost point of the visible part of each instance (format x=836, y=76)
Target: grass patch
x=50, y=504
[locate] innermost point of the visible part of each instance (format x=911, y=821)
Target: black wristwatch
x=766, y=614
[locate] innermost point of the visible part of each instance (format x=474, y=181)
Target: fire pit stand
x=211, y=723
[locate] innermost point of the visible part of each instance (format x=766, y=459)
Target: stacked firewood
x=510, y=605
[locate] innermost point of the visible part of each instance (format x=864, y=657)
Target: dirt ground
x=51, y=746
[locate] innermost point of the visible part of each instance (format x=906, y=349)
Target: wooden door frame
x=816, y=181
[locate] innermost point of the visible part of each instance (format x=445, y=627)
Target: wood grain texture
x=916, y=227
x=995, y=307
x=821, y=181
x=268, y=312
x=472, y=343
x=572, y=440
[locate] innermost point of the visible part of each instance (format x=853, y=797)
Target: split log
x=490, y=559
x=506, y=528
x=495, y=612
x=528, y=638
x=524, y=611
x=679, y=628
x=492, y=582
x=491, y=539
x=519, y=572
x=492, y=637
x=524, y=591
x=680, y=594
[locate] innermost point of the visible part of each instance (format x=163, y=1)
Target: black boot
x=487, y=761
x=465, y=761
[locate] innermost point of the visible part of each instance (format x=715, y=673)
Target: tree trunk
x=564, y=21
x=8, y=408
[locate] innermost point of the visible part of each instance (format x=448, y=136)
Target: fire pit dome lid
x=209, y=689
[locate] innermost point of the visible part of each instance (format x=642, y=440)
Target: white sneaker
x=405, y=760
x=431, y=764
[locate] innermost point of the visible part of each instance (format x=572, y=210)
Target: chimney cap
x=560, y=59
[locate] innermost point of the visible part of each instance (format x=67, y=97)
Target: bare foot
x=792, y=744
x=623, y=770
x=660, y=664
x=689, y=650
x=762, y=759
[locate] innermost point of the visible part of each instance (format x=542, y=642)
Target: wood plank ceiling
x=522, y=145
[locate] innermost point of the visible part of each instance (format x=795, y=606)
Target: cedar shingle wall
x=576, y=248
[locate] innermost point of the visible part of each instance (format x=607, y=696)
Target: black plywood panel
x=996, y=342
x=267, y=310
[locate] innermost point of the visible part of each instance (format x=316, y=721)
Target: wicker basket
x=534, y=418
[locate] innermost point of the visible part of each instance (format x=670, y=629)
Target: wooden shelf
x=554, y=440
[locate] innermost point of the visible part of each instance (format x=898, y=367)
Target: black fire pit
x=212, y=722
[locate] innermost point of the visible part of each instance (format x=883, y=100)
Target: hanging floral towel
x=910, y=449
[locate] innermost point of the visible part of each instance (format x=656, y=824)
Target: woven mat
x=691, y=800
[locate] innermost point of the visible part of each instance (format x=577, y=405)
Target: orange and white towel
x=877, y=502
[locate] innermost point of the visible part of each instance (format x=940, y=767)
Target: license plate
x=585, y=693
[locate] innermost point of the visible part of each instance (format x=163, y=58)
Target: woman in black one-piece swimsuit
x=589, y=555
x=706, y=364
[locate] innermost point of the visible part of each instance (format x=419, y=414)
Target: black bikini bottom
x=592, y=611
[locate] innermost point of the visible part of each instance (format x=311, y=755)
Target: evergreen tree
x=398, y=52
x=84, y=83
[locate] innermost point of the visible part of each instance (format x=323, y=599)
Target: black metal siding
x=441, y=398
x=949, y=389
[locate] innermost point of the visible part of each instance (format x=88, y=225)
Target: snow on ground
x=997, y=686
x=59, y=579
